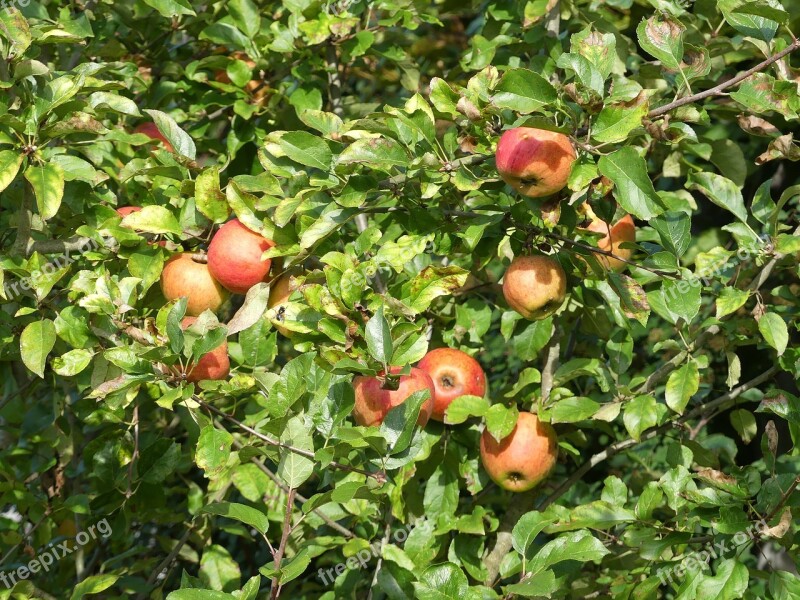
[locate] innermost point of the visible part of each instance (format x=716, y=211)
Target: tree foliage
x=359, y=136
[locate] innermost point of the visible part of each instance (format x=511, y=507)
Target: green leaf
x=640, y=414
x=153, y=219
x=541, y=585
x=47, y=182
x=115, y=102
x=239, y=512
x=171, y=8
x=198, y=594
x=774, y=330
x=632, y=186
x=527, y=528
x=572, y=410
x=523, y=91
x=378, y=153
x=581, y=546
x=729, y=582
x=73, y=362
x=10, y=162
x=400, y=422
x=747, y=23
x=35, y=343
x=730, y=300
x=616, y=121
x=14, y=27
x=501, y=420
x=431, y=283
x=464, y=407
x=441, y=582
x=210, y=200
x=744, y=422
x=246, y=16
x=93, y=585
x=677, y=299
x=180, y=141
x=294, y=468
x=306, y=149
x=213, y=450
x=218, y=570
x=682, y=384
x=721, y=191
x=662, y=36
x=674, y=231
x=379, y=337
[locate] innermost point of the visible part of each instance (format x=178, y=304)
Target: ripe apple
x=615, y=235
x=151, y=130
x=374, y=399
x=183, y=277
x=454, y=373
x=212, y=365
x=536, y=162
x=535, y=286
x=234, y=257
x=524, y=458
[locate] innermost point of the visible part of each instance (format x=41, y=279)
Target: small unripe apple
x=212, y=365
x=151, y=130
x=524, y=458
x=620, y=232
x=454, y=373
x=535, y=286
x=234, y=257
x=184, y=277
x=535, y=162
x=374, y=398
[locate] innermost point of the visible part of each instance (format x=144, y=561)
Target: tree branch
x=287, y=522
x=379, y=476
x=662, y=110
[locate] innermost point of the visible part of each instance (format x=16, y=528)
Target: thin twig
x=662, y=110
x=287, y=529
x=378, y=476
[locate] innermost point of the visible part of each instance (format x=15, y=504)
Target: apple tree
x=230, y=232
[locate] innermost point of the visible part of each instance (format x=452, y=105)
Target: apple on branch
x=535, y=162
x=535, y=286
x=183, y=277
x=522, y=459
x=454, y=373
x=213, y=365
x=234, y=257
x=615, y=236
x=375, y=396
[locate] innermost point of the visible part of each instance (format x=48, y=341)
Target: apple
x=234, y=257
x=535, y=162
x=212, y=365
x=535, y=286
x=524, y=458
x=454, y=373
x=615, y=235
x=374, y=398
x=151, y=130
x=184, y=277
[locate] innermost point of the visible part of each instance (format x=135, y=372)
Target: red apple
x=151, y=130
x=234, y=257
x=454, y=373
x=524, y=458
x=620, y=232
x=535, y=286
x=212, y=365
x=184, y=277
x=374, y=399
x=535, y=162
